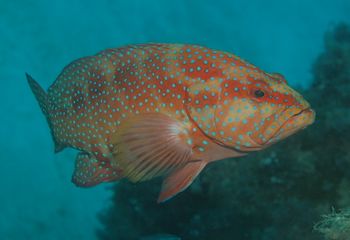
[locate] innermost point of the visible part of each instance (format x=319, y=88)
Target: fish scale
x=149, y=110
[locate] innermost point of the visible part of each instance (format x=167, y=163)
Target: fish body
x=144, y=111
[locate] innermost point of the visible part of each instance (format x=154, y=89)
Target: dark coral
x=279, y=193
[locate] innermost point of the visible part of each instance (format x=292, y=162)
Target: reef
x=335, y=225
x=278, y=193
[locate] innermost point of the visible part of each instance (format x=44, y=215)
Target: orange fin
x=150, y=145
x=89, y=171
x=180, y=179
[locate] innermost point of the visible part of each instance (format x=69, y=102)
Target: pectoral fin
x=180, y=179
x=89, y=171
x=150, y=145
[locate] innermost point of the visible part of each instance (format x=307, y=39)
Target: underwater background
x=298, y=189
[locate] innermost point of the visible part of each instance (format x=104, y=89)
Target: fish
x=165, y=110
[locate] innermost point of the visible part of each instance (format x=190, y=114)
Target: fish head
x=256, y=109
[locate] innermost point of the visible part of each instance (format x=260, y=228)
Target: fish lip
x=305, y=111
x=313, y=115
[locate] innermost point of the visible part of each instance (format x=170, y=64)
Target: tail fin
x=39, y=94
x=42, y=98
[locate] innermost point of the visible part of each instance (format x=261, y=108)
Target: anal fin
x=180, y=179
x=89, y=171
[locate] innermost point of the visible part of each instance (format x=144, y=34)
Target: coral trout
x=144, y=111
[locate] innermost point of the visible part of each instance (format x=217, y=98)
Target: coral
x=335, y=226
x=274, y=194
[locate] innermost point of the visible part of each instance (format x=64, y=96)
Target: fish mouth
x=296, y=122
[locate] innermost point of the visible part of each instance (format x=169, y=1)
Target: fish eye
x=259, y=93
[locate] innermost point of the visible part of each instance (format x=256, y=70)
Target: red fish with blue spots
x=144, y=111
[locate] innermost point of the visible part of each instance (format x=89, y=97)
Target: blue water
x=37, y=199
